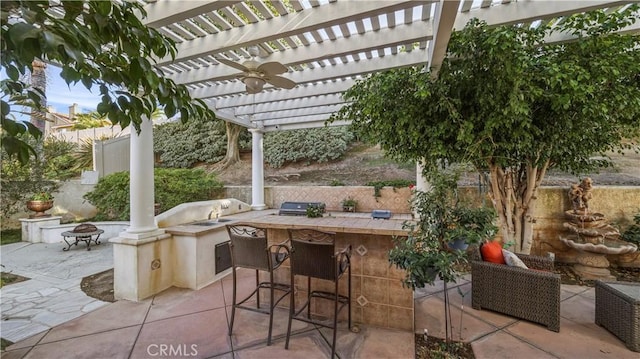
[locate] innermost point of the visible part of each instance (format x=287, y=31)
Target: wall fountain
x=591, y=235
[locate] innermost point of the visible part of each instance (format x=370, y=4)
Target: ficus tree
x=101, y=44
x=514, y=104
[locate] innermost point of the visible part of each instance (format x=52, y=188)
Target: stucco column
x=141, y=182
x=142, y=263
x=257, y=170
x=421, y=182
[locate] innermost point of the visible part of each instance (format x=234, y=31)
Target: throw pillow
x=512, y=259
x=492, y=252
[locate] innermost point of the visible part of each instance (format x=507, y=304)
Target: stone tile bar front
x=378, y=297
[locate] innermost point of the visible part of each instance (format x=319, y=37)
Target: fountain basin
x=586, y=220
x=604, y=245
x=602, y=231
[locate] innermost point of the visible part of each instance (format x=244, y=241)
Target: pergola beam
x=350, y=69
x=411, y=33
x=293, y=24
x=165, y=13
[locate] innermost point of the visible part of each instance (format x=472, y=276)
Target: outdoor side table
x=618, y=310
x=86, y=237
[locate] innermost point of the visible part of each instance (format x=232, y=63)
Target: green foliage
x=508, y=103
x=515, y=103
x=336, y=183
x=315, y=211
x=378, y=185
x=632, y=233
x=10, y=236
x=58, y=162
x=172, y=187
x=176, y=186
x=59, y=158
x=84, y=155
x=41, y=196
x=90, y=120
x=308, y=145
x=101, y=44
x=15, y=193
x=349, y=202
x=19, y=181
x=442, y=217
x=184, y=144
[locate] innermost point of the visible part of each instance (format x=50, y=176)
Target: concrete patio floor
x=183, y=323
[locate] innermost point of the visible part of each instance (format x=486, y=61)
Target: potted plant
x=471, y=225
x=349, y=204
x=425, y=253
x=40, y=202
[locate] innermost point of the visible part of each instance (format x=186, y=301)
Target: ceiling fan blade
x=230, y=63
x=279, y=81
x=272, y=68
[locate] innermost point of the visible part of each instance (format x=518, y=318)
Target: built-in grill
x=298, y=208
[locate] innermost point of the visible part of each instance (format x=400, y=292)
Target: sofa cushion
x=492, y=252
x=512, y=260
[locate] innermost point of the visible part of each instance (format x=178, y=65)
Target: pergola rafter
x=326, y=46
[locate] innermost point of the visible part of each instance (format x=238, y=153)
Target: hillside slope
x=363, y=164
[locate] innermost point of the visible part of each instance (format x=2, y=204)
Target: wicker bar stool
x=313, y=255
x=249, y=249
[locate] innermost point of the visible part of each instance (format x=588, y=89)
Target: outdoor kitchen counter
x=377, y=296
x=339, y=223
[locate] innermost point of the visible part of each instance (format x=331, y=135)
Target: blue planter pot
x=459, y=244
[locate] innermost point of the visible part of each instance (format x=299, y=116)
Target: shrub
x=632, y=233
x=378, y=185
x=55, y=163
x=172, y=187
x=183, y=145
x=308, y=145
x=58, y=155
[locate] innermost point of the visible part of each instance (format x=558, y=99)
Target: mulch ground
x=7, y=278
x=99, y=286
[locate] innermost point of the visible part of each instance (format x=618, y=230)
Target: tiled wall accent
x=394, y=199
x=377, y=295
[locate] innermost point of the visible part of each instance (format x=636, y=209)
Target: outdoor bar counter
x=378, y=297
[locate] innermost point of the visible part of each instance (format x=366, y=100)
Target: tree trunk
x=39, y=81
x=233, y=147
x=38, y=116
x=513, y=191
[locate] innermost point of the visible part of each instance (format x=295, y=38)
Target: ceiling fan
x=255, y=74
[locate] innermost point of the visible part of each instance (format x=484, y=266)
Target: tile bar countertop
x=331, y=223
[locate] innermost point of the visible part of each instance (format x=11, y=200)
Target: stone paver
x=52, y=295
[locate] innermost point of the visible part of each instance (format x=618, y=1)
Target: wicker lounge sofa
x=532, y=294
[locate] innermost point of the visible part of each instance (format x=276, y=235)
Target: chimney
x=73, y=110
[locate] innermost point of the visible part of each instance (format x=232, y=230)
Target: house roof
x=326, y=45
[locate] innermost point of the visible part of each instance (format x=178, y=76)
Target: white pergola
x=326, y=45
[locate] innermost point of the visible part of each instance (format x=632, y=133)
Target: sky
x=60, y=96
